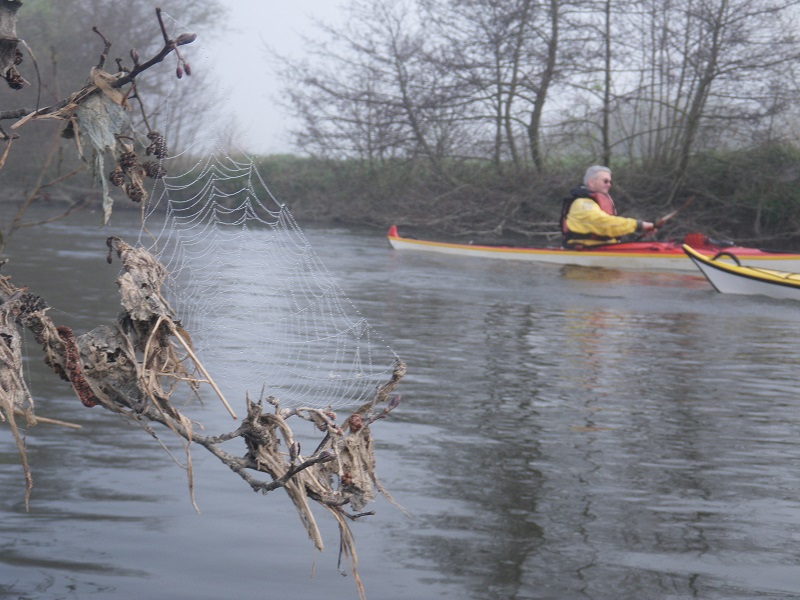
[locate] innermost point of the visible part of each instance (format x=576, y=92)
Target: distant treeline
x=517, y=86
x=749, y=195
x=475, y=117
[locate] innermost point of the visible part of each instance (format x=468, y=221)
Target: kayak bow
x=726, y=273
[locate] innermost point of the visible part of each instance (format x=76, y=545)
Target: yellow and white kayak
x=726, y=273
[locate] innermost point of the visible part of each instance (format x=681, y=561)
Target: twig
x=106, y=47
x=36, y=68
x=200, y=366
x=21, y=413
x=161, y=24
x=169, y=46
x=9, y=138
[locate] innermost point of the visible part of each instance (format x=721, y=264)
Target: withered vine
x=134, y=365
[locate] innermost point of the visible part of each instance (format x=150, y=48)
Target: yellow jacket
x=586, y=217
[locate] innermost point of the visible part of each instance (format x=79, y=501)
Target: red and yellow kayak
x=641, y=255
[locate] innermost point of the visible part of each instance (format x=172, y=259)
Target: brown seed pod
x=72, y=366
x=153, y=169
x=355, y=422
x=117, y=176
x=30, y=303
x=134, y=192
x=128, y=160
x=14, y=79
x=158, y=147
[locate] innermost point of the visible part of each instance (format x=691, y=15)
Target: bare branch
x=130, y=367
x=64, y=108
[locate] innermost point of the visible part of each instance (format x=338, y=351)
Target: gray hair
x=592, y=172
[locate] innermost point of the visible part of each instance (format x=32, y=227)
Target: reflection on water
x=662, y=279
x=563, y=434
x=588, y=432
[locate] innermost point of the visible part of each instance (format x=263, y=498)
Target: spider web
x=264, y=312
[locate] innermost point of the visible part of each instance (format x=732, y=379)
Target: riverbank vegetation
x=750, y=195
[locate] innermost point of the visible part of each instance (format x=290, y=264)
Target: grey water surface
x=564, y=433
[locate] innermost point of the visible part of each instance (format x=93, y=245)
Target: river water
x=564, y=433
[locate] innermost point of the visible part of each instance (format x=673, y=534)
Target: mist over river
x=564, y=433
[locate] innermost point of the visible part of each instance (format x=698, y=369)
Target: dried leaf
x=104, y=82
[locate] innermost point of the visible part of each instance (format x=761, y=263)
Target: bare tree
x=372, y=92
x=503, y=59
x=704, y=76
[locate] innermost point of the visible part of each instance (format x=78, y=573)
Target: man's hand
x=647, y=227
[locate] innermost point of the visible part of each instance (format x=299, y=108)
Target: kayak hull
x=644, y=256
x=729, y=277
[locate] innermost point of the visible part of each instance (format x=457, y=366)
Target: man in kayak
x=589, y=217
